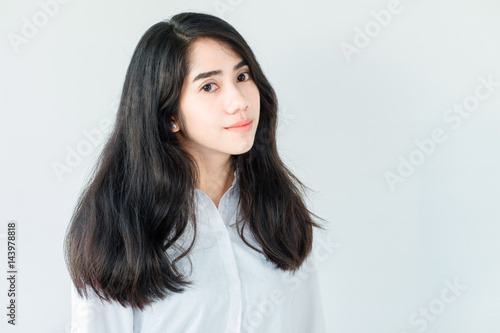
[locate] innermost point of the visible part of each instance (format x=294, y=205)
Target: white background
x=345, y=122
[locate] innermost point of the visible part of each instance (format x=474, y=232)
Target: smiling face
x=218, y=92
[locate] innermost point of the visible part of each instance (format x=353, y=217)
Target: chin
x=242, y=149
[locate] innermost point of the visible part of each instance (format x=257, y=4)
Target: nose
x=236, y=101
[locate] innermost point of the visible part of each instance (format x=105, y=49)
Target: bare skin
x=210, y=104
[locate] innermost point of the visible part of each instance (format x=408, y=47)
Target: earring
x=174, y=126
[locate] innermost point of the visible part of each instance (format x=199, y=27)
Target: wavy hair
x=140, y=198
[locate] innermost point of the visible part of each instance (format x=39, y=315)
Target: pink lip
x=241, y=123
x=241, y=126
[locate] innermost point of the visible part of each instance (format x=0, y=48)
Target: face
x=218, y=97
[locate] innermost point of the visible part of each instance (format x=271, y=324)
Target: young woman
x=191, y=222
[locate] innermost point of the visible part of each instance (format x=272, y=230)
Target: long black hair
x=121, y=240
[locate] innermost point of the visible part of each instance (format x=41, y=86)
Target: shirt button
x=218, y=234
x=234, y=281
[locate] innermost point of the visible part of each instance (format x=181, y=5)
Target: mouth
x=242, y=123
x=241, y=126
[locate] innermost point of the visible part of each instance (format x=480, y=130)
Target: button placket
x=234, y=281
x=218, y=234
x=221, y=232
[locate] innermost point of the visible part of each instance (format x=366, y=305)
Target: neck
x=216, y=174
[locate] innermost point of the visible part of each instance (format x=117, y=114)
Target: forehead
x=206, y=53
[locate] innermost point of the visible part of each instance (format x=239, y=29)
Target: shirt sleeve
x=307, y=306
x=93, y=315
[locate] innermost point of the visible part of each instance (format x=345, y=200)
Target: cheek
x=254, y=96
x=200, y=115
x=255, y=100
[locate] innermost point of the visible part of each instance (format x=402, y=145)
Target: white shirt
x=235, y=289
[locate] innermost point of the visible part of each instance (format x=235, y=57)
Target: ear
x=174, y=126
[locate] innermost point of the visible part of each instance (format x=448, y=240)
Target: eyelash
x=209, y=84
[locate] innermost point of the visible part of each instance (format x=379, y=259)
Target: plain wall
x=384, y=114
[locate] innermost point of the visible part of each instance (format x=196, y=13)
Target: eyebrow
x=218, y=72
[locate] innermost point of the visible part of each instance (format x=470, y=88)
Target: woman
x=191, y=222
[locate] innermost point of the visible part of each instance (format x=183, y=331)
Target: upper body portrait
x=191, y=222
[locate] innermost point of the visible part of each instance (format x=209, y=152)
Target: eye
x=244, y=77
x=209, y=87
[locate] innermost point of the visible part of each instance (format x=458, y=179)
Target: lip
x=241, y=123
x=241, y=126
